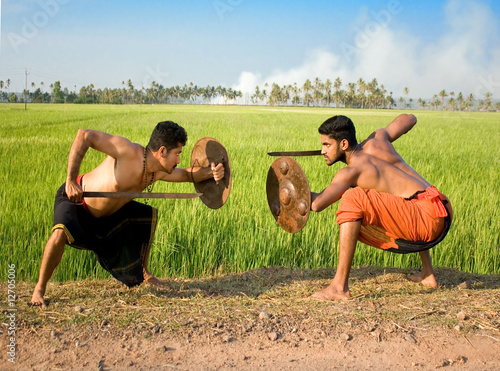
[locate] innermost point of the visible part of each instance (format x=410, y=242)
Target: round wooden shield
x=205, y=152
x=288, y=194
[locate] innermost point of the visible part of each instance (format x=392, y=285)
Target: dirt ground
x=259, y=320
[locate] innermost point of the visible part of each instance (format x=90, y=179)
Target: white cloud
x=465, y=58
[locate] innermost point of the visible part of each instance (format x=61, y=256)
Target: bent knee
x=59, y=236
x=351, y=206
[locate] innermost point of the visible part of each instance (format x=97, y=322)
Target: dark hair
x=338, y=128
x=168, y=134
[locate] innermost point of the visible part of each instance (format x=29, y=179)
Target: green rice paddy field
x=459, y=152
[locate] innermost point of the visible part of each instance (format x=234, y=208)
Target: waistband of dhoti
x=433, y=194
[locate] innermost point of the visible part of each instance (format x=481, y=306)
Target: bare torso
x=115, y=175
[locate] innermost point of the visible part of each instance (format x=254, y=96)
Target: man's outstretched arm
x=342, y=181
x=194, y=174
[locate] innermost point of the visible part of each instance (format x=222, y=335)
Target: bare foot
x=428, y=280
x=331, y=293
x=155, y=281
x=37, y=298
x=152, y=280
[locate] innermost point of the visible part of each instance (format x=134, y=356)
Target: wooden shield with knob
x=288, y=194
x=205, y=152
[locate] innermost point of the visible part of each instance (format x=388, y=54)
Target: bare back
x=380, y=167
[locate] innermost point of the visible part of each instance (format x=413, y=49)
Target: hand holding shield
x=207, y=152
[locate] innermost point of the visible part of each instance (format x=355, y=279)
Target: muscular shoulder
x=128, y=150
x=113, y=145
x=348, y=175
x=378, y=144
x=378, y=136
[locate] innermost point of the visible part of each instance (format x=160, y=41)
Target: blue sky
x=426, y=46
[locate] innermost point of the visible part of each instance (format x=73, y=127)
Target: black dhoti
x=120, y=241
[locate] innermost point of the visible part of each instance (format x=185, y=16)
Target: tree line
x=315, y=93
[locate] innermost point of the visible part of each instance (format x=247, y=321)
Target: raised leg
x=339, y=288
x=52, y=256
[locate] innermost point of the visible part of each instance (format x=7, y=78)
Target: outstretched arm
x=341, y=182
x=194, y=174
x=399, y=126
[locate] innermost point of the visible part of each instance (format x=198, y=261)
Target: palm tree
x=328, y=92
x=263, y=96
x=318, y=96
x=256, y=95
x=337, y=96
x=362, y=90
x=306, y=88
x=276, y=95
x=390, y=101
x=405, y=93
x=470, y=101
x=460, y=101
x=296, y=91
x=442, y=94
x=285, y=94
x=351, y=94
x=317, y=93
x=224, y=94
x=487, y=101
x=452, y=104
x=372, y=88
x=383, y=91
x=205, y=93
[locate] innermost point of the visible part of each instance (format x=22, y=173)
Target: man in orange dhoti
x=384, y=202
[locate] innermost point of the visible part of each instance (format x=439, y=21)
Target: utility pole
x=25, y=88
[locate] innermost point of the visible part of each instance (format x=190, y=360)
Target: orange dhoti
x=394, y=223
